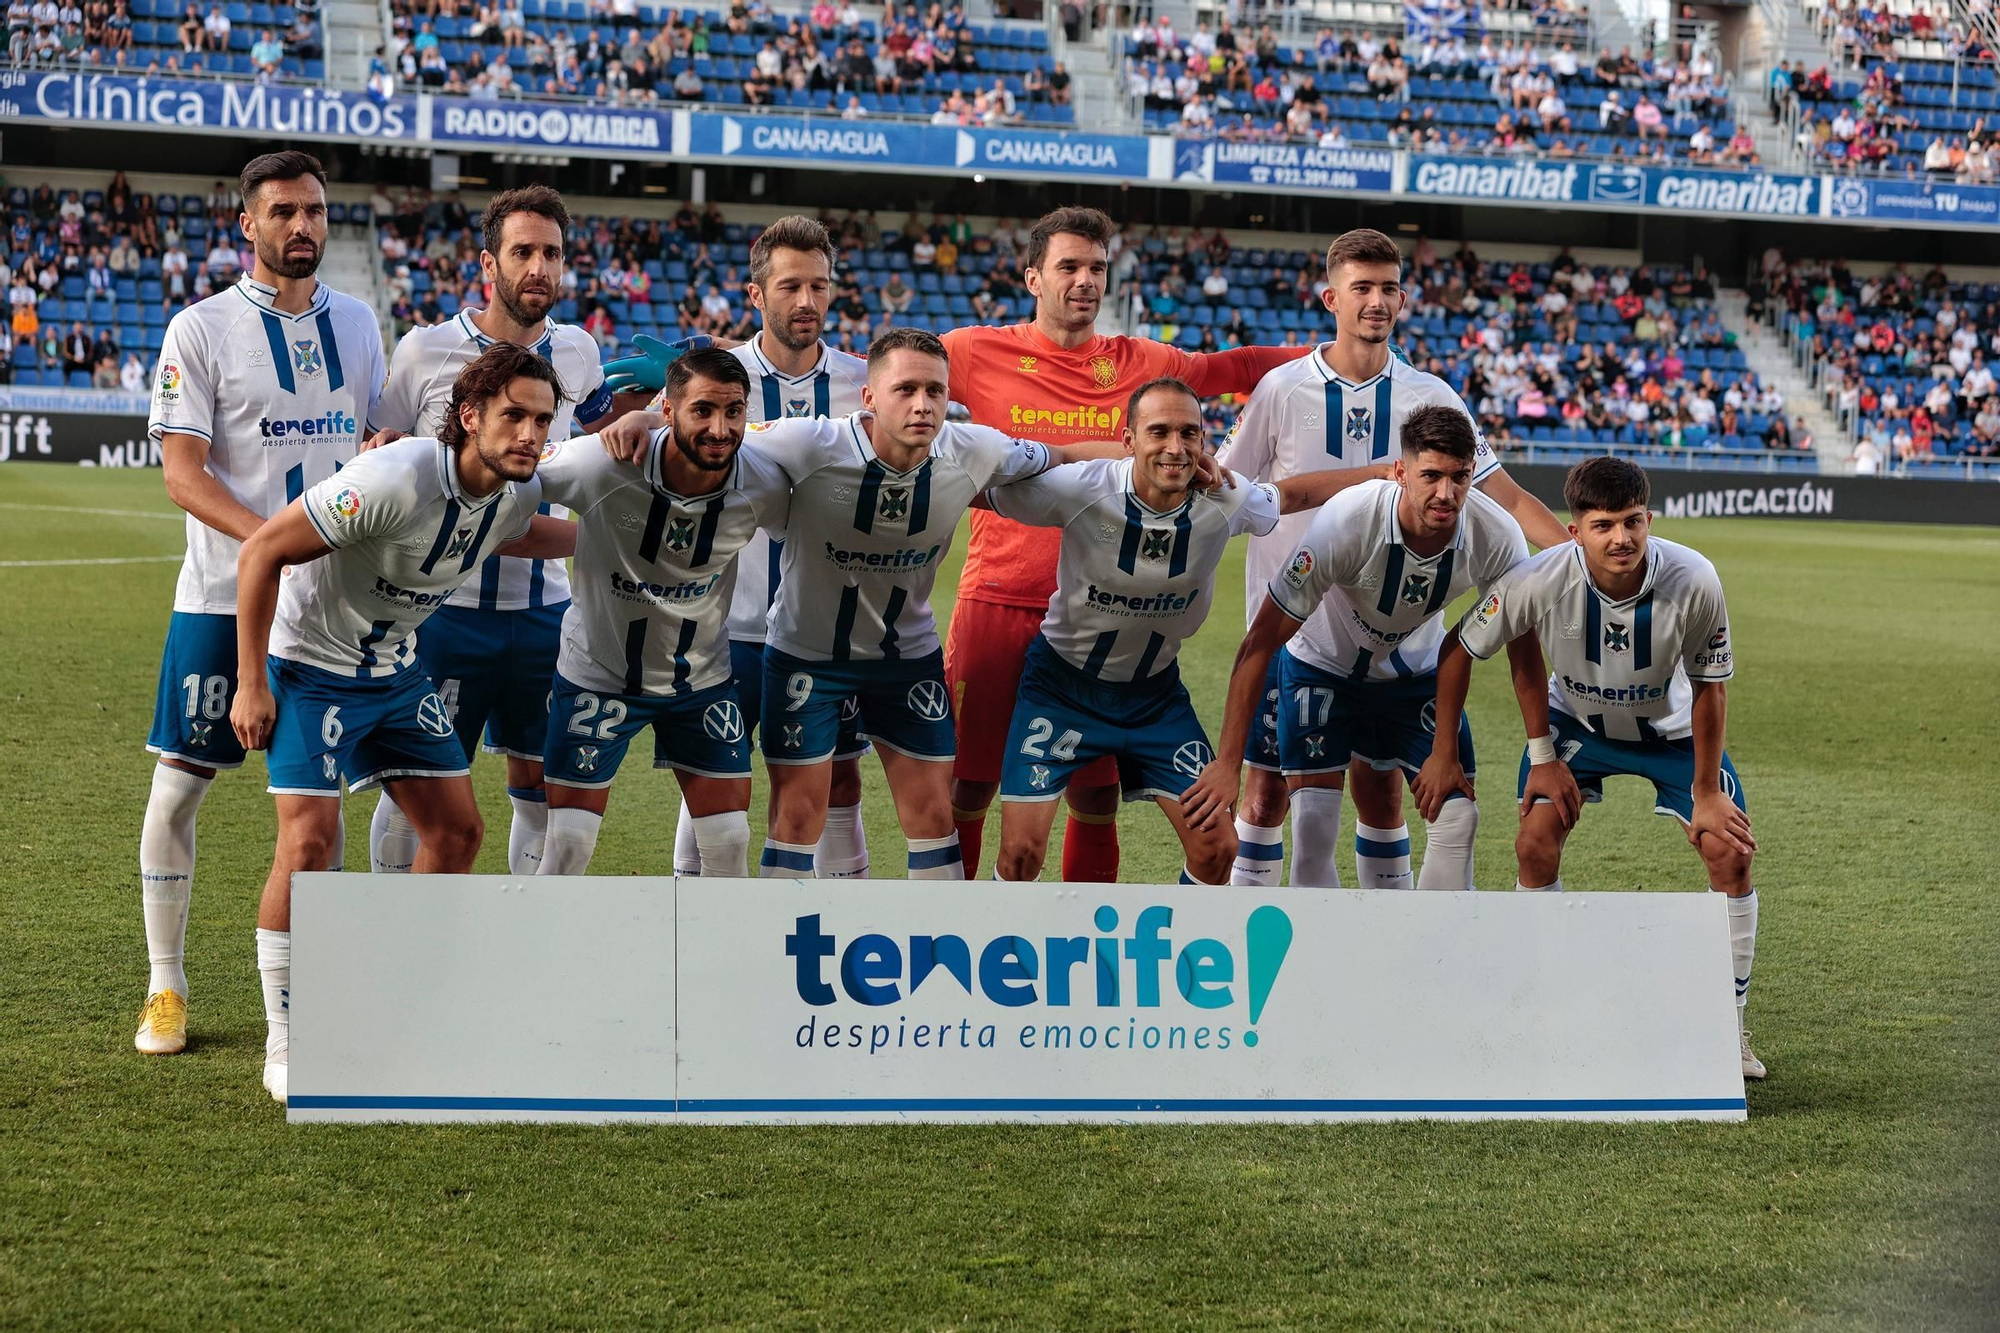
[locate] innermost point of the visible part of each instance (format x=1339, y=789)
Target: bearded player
x=1053, y=379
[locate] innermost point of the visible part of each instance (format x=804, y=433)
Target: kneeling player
x=1354, y=618
x=645, y=641
x=1136, y=574
x=373, y=551
x=1637, y=635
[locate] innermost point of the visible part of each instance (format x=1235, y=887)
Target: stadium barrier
x=92, y=427
x=782, y=1001
x=1690, y=494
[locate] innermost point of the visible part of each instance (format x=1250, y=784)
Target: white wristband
x=1541, y=750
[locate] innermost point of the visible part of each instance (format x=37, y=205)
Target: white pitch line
x=81, y=509
x=112, y=560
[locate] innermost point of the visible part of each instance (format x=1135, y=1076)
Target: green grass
x=164, y=1194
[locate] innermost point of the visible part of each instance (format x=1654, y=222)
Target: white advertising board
x=742, y=1001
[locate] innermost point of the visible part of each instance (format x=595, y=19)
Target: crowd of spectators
x=918, y=61
x=1878, y=122
x=92, y=277
x=1442, y=91
x=1907, y=361
x=157, y=37
x=1869, y=29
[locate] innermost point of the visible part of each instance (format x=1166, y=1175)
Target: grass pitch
x=166, y=1194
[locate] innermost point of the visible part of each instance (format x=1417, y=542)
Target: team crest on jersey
x=306, y=358
x=1617, y=637
x=797, y=407
x=680, y=534
x=1155, y=544
x=460, y=543
x=1360, y=424
x=586, y=758
x=1315, y=746
x=1417, y=589
x=1038, y=776
x=1300, y=569
x=329, y=766
x=795, y=735
x=1193, y=757
x=723, y=721
x=170, y=382
x=894, y=504
x=199, y=733
x=1104, y=371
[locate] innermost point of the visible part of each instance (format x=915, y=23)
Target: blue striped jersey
x=865, y=541
x=1131, y=582
x=404, y=534
x=1621, y=668
x=1373, y=609
x=832, y=388
x=281, y=399
x=421, y=373
x=654, y=570
x=1303, y=418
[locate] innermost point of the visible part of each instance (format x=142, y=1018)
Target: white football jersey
x=831, y=388
x=654, y=569
x=1372, y=608
x=404, y=534
x=1131, y=582
x=865, y=541
x=1620, y=668
x=281, y=400
x=421, y=373
x=1304, y=418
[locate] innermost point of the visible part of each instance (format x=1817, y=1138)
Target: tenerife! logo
x=1117, y=973
x=334, y=424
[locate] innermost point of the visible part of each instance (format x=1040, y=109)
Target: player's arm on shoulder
x=1310, y=490
x=599, y=405
x=1257, y=504
x=1235, y=371
x=1251, y=446
x=1542, y=527
x=1212, y=796
x=545, y=538
x=579, y=472
x=1038, y=500
x=290, y=538
x=629, y=437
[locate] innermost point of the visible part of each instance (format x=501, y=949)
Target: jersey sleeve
x=397, y=405
x=530, y=500
x=184, y=384
x=1505, y=611
x=1705, y=650
x=998, y=459
x=1313, y=568
x=362, y=500
x=378, y=372
x=768, y=489
x=795, y=445
x=1045, y=501
x=1484, y=461
x=1504, y=548
x=577, y=474
x=1235, y=371
x=1257, y=511
x=594, y=397
x=1252, y=446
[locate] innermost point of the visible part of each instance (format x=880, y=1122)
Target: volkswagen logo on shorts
x=1429, y=716
x=929, y=701
x=723, y=720
x=433, y=716
x=1193, y=757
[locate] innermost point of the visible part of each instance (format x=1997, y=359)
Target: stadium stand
x=1907, y=362
x=162, y=38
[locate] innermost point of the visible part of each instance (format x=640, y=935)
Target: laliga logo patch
x=1300, y=569
x=344, y=504
x=550, y=449
x=170, y=382
x=1487, y=610
x=760, y=426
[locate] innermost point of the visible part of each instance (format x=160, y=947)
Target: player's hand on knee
x=1440, y=776
x=382, y=437
x=1554, y=783
x=1212, y=798
x=627, y=438
x=252, y=716
x=1716, y=816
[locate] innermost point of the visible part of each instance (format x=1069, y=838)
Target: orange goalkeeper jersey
x=1014, y=379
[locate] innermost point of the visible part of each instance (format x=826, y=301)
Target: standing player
x=1353, y=624
x=793, y=373
x=1140, y=544
x=1342, y=408
x=371, y=553
x=1051, y=379
x=646, y=640
x=262, y=392
x=1637, y=634
x=492, y=646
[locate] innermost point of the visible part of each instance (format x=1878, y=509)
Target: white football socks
x=936, y=858
x=787, y=860
x=1382, y=857
x=1743, y=942
x=1448, y=848
x=570, y=841
x=338, y=859
x=166, y=873
x=530, y=827
x=843, y=844
x=1556, y=887
x=687, y=856
x=724, y=840
x=1316, y=837
x=274, y=965
x=1260, y=854
x=392, y=839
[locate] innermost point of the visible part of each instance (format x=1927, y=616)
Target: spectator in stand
x=266, y=55
x=1647, y=120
